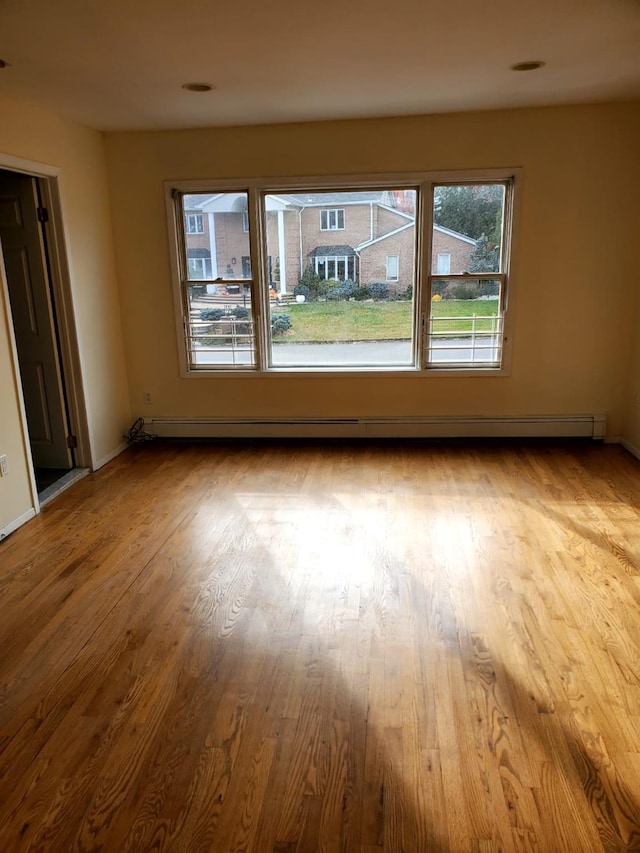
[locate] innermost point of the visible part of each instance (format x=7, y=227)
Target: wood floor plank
x=292, y=647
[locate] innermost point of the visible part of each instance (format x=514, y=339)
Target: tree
x=485, y=258
x=315, y=284
x=473, y=209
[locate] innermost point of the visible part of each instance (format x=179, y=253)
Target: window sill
x=349, y=373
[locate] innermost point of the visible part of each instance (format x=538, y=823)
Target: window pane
x=466, y=322
x=335, y=307
x=216, y=235
x=468, y=226
x=219, y=330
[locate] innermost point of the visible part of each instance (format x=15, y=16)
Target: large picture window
x=416, y=281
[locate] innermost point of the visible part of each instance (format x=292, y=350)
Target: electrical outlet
x=4, y=467
x=146, y=398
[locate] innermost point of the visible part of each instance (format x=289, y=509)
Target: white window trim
x=335, y=258
x=202, y=263
x=390, y=277
x=332, y=212
x=424, y=181
x=442, y=255
x=199, y=223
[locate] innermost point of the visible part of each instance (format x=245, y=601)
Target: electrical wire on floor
x=137, y=434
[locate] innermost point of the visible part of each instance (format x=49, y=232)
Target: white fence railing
x=481, y=343
x=230, y=341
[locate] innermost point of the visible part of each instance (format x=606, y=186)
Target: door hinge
x=43, y=214
x=72, y=442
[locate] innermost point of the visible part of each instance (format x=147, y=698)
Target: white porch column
x=282, y=251
x=212, y=248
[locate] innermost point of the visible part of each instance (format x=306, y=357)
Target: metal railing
x=229, y=341
x=481, y=343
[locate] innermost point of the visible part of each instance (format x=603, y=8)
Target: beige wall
x=631, y=430
x=573, y=298
x=30, y=133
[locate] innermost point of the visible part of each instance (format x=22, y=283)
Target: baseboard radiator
x=553, y=426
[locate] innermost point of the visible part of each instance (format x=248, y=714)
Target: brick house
x=363, y=236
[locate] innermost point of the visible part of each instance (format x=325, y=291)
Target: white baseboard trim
x=552, y=426
x=109, y=456
x=16, y=523
x=631, y=448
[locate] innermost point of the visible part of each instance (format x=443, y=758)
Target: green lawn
x=371, y=321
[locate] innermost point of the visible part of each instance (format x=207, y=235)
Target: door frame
x=65, y=325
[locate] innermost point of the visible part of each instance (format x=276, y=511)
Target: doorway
x=35, y=317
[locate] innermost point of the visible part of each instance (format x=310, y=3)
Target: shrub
x=280, y=323
x=405, y=295
x=301, y=290
x=212, y=314
x=239, y=313
x=341, y=291
x=463, y=291
x=438, y=287
x=316, y=286
x=488, y=287
x=361, y=293
x=378, y=290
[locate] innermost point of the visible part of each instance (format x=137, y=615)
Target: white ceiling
x=119, y=64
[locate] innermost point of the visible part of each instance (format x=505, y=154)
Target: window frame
x=446, y=255
x=349, y=261
x=201, y=262
x=257, y=188
x=199, y=217
x=395, y=277
x=335, y=212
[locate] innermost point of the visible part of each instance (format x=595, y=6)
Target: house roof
x=234, y=202
x=326, y=199
x=368, y=243
x=448, y=231
x=455, y=234
x=332, y=251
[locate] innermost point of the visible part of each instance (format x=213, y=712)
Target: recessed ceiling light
x=198, y=87
x=532, y=65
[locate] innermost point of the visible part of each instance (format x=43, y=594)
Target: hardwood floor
x=339, y=647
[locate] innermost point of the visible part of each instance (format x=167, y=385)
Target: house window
x=194, y=223
x=393, y=265
x=478, y=217
x=335, y=267
x=220, y=334
x=199, y=268
x=449, y=314
x=332, y=220
x=245, y=222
